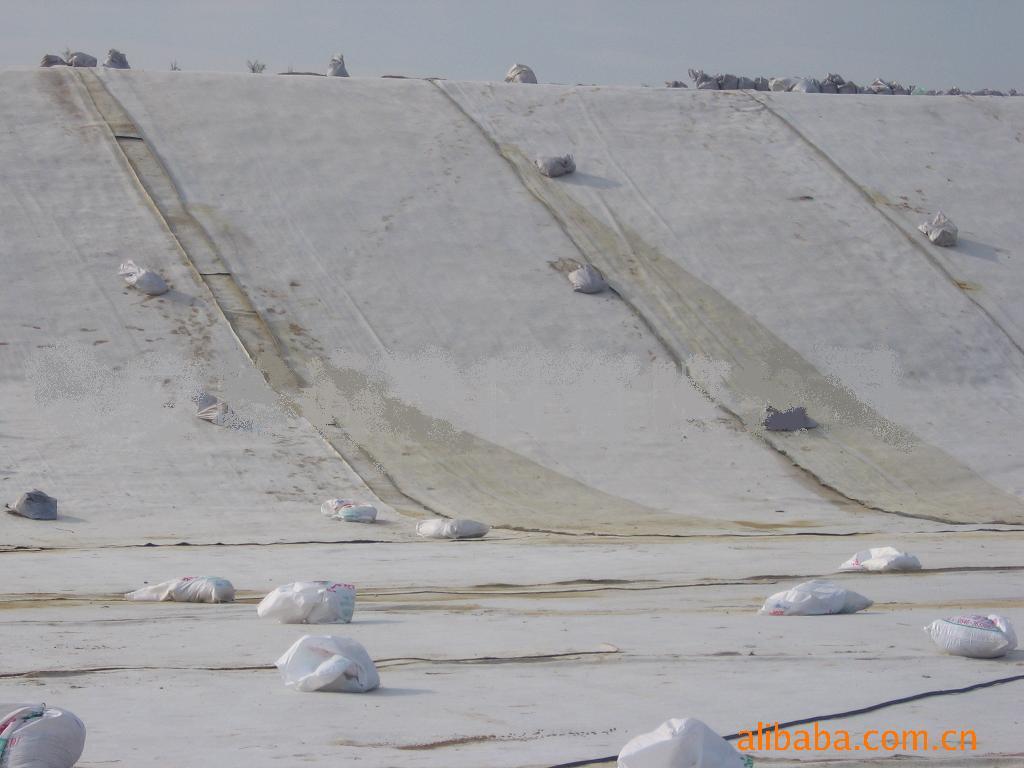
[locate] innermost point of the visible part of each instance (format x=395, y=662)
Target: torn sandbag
x=440, y=528
x=79, y=59
x=35, y=505
x=52, y=60
x=309, y=602
x=587, y=279
x=675, y=84
x=520, y=73
x=189, y=589
x=337, y=67
x=978, y=637
x=38, y=736
x=680, y=743
x=555, y=166
x=881, y=559
x=327, y=663
x=806, y=85
x=815, y=598
x=703, y=81
x=116, y=60
x=940, y=230
x=349, y=511
x=145, y=280
x=790, y=420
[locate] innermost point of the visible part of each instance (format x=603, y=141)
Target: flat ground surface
x=373, y=276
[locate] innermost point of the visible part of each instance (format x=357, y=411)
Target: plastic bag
x=35, y=505
x=116, y=60
x=190, y=589
x=790, y=420
x=555, y=166
x=520, y=73
x=348, y=510
x=145, y=280
x=327, y=663
x=38, y=736
x=79, y=59
x=680, y=743
x=440, y=528
x=815, y=598
x=52, y=60
x=881, y=559
x=309, y=602
x=979, y=637
x=587, y=279
x=337, y=67
x=940, y=230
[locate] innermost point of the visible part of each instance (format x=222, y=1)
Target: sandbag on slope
x=587, y=279
x=554, y=166
x=940, y=230
x=327, y=663
x=879, y=559
x=189, y=589
x=977, y=637
x=680, y=743
x=35, y=505
x=38, y=736
x=309, y=602
x=145, y=280
x=815, y=598
x=451, y=529
x=349, y=510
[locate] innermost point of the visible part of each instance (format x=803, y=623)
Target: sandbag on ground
x=520, y=73
x=439, y=528
x=815, y=598
x=327, y=663
x=309, y=602
x=337, y=67
x=879, y=559
x=116, y=60
x=978, y=637
x=587, y=279
x=555, y=166
x=35, y=505
x=349, y=510
x=37, y=736
x=52, y=60
x=680, y=743
x=79, y=59
x=940, y=230
x=190, y=589
x=145, y=280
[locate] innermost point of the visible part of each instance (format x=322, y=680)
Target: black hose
x=834, y=716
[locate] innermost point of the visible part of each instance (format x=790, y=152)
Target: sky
x=933, y=43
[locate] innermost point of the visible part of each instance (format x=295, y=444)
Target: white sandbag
x=806, y=85
x=680, y=743
x=309, y=602
x=790, y=420
x=79, y=59
x=145, y=280
x=940, y=230
x=349, y=510
x=815, y=598
x=35, y=505
x=979, y=637
x=116, y=60
x=337, y=67
x=327, y=663
x=781, y=83
x=879, y=559
x=520, y=73
x=52, y=60
x=38, y=736
x=587, y=279
x=440, y=528
x=554, y=166
x=189, y=589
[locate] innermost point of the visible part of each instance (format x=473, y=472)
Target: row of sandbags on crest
x=830, y=84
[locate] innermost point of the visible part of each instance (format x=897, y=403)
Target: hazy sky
x=934, y=43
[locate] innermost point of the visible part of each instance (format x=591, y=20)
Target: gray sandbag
x=745, y=84
x=587, y=279
x=79, y=59
x=554, y=166
x=849, y=87
x=35, y=505
x=781, y=83
x=337, y=67
x=790, y=420
x=954, y=91
x=675, y=84
x=879, y=86
x=520, y=73
x=727, y=82
x=52, y=60
x=761, y=84
x=806, y=85
x=940, y=230
x=38, y=736
x=116, y=60
x=828, y=87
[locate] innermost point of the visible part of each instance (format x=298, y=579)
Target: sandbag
x=815, y=598
x=761, y=84
x=806, y=85
x=189, y=589
x=520, y=73
x=727, y=82
x=940, y=230
x=38, y=736
x=781, y=83
x=978, y=637
x=880, y=559
x=440, y=528
x=702, y=80
x=829, y=87
x=52, y=60
x=309, y=602
x=745, y=84
x=790, y=420
x=79, y=59
x=675, y=84
x=116, y=60
x=35, y=505
x=552, y=167
x=680, y=743
x=348, y=510
x=144, y=280
x=879, y=86
x=337, y=67
x=849, y=87
x=587, y=279
x=327, y=663
x=214, y=410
